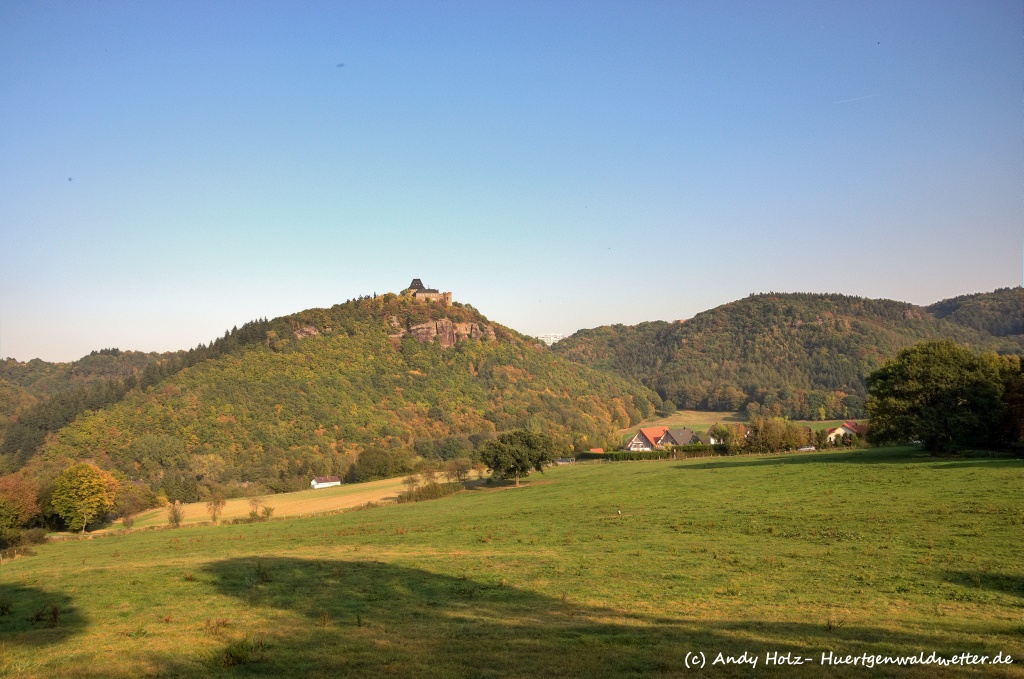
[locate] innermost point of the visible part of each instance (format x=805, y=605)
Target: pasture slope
x=882, y=551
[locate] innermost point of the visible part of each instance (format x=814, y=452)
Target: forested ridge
x=797, y=354
x=27, y=386
x=999, y=313
x=278, y=401
x=47, y=396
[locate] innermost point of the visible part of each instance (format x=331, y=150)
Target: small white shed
x=324, y=482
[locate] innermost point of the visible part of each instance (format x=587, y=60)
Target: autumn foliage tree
x=82, y=493
x=18, y=501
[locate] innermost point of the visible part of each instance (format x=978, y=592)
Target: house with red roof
x=648, y=438
x=851, y=429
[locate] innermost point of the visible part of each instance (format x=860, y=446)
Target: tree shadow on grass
x=34, y=617
x=366, y=618
x=1006, y=583
x=986, y=462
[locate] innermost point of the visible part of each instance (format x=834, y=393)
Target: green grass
x=879, y=551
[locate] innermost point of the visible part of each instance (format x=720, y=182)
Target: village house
x=678, y=437
x=646, y=439
x=655, y=438
x=851, y=429
x=319, y=482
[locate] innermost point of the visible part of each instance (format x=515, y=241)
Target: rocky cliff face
x=445, y=331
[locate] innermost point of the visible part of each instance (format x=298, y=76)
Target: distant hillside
x=324, y=384
x=801, y=355
x=25, y=384
x=999, y=313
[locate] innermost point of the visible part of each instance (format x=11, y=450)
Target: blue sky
x=171, y=169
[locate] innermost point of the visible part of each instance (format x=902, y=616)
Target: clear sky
x=171, y=169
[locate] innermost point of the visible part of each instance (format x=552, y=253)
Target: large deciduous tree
x=82, y=493
x=941, y=394
x=517, y=453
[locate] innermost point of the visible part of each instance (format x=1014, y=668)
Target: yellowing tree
x=83, y=492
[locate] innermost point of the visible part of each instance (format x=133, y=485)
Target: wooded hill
x=999, y=313
x=24, y=385
x=276, y=402
x=799, y=355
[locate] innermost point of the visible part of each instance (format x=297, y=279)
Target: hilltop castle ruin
x=418, y=291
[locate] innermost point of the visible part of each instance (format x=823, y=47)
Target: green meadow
x=586, y=571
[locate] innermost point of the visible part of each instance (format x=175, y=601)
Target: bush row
x=430, y=491
x=675, y=453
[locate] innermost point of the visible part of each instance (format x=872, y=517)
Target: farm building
x=324, y=482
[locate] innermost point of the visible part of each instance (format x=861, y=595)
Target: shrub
x=33, y=536
x=13, y=539
x=430, y=491
x=175, y=514
x=215, y=506
x=255, y=503
x=242, y=652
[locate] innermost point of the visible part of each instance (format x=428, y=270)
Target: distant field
x=598, y=570
x=694, y=419
x=304, y=502
x=704, y=419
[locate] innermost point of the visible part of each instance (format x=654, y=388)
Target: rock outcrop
x=446, y=332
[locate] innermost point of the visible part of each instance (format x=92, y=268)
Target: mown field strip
x=300, y=503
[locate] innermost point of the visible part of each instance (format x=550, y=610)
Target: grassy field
x=702, y=420
x=870, y=551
